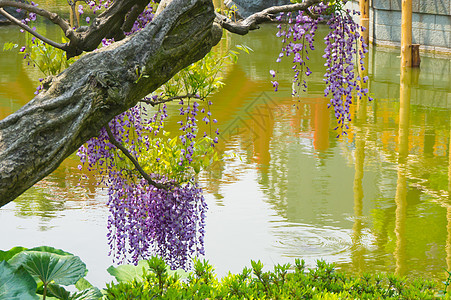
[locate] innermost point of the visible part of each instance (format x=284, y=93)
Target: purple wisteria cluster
x=342, y=49
x=145, y=220
x=297, y=40
x=99, y=4
x=344, y=45
x=189, y=127
x=143, y=19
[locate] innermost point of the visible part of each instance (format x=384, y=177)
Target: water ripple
x=305, y=240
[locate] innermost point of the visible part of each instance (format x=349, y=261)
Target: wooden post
x=365, y=19
x=448, y=212
x=448, y=242
x=416, y=60
x=77, y=14
x=406, y=33
x=71, y=17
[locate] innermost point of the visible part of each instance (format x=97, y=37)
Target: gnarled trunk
x=77, y=103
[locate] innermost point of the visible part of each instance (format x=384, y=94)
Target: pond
x=376, y=199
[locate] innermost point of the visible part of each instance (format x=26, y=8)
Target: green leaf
x=58, y=291
x=179, y=272
x=16, y=284
x=63, y=269
x=83, y=284
x=7, y=255
x=244, y=48
x=88, y=294
x=128, y=272
x=9, y=46
x=50, y=250
x=173, y=142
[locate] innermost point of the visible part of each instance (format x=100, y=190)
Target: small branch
x=55, y=18
x=133, y=160
x=243, y=27
x=134, y=13
x=27, y=28
x=160, y=101
x=108, y=24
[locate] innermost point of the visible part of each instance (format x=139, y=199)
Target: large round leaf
x=128, y=272
x=16, y=284
x=63, y=269
x=88, y=294
x=50, y=250
x=59, y=292
x=6, y=255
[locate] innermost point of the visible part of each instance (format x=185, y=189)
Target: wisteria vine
x=145, y=219
x=344, y=45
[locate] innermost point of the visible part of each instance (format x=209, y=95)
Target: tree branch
x=107, y=25
x=243, y=27
x=27, y=28
x=77, y=103
x=55, y=18
x=161, y=101
x=133, y=160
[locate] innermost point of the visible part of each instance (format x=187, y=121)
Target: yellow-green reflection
x=401, y=186
x=359, y=160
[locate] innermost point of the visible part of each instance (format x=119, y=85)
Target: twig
x=133, y=160
x=160, y=101
x=108, y=24
x=55, y=18
x=27, y=28
x=134, y=13
x=243, y=27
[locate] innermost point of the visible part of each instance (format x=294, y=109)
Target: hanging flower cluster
x=344, y=45
x=145, y=220
x=297, y=39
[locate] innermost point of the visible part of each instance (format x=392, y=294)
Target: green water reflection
x=376, y=199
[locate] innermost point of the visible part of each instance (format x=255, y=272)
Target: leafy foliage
x=153, y=279
x=283, y=282
x=203, y=77
x=24, y=273
x=50, y=267
x=16, y=283
x=49, y=60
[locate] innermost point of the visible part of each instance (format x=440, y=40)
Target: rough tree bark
x=77, y=103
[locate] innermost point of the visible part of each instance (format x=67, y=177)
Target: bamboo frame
x=364, y=6
x=406, y=33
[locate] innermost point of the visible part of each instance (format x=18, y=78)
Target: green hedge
x=42, y=272
x=284, y=282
